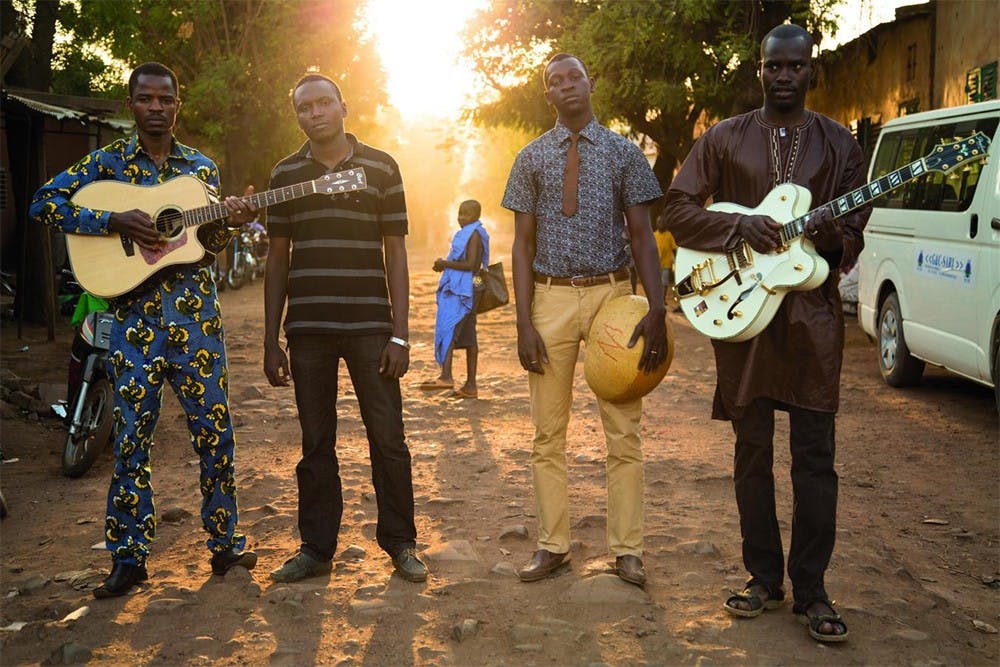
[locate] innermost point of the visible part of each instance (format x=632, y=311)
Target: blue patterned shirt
x=614, y=176
x=184, y=295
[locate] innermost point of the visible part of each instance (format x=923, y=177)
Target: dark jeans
x=814, y=497
x=315, y=361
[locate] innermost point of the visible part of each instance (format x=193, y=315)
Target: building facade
x=938, y=54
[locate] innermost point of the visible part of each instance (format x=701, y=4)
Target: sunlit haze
x=855, y=17
x=419, y=43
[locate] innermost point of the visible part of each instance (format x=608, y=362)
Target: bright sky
x=419, y=43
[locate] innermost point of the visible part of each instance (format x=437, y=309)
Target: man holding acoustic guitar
x=168, y=325
x=793, y=362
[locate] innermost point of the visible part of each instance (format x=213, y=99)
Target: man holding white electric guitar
x=791, y=362
x=125, y=209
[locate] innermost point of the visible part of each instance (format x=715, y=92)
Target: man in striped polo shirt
x=339, y=262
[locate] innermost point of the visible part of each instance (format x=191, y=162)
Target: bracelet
x=400, y=342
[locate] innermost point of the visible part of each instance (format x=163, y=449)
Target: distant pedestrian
x=455, y=327
x=666, y=248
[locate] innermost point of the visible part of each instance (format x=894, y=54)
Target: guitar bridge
x=127, y=245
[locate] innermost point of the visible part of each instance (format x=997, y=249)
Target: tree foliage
x=236, y=61
x=661, y=66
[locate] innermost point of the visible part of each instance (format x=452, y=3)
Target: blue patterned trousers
x=145, y=355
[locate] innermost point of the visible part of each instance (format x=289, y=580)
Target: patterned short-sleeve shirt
x=614, y=176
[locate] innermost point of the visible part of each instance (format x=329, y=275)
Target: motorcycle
x=248, y=256
x=90, y=418
x=68, y=292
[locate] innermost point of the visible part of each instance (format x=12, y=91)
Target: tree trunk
x=33, y=68
x=663, y=168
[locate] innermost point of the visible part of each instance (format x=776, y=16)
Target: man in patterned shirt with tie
x=575, y=191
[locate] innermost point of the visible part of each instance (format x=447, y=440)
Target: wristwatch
x=400, y=342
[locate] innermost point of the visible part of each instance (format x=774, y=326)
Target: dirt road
x=915, y=570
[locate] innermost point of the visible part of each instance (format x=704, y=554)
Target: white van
x=929, y=284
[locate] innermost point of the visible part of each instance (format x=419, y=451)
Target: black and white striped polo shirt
x=336, y=279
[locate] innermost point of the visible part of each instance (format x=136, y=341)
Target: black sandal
x=775, y=596
x=815, y=621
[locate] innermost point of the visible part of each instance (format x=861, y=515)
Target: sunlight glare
x=419, y=43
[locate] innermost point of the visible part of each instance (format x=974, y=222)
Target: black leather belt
x=583, y=281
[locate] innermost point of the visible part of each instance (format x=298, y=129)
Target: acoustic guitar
x=111, y=265
x=733, y=295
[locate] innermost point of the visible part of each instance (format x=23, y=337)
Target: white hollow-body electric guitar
x=733, y=295
x=111, y=265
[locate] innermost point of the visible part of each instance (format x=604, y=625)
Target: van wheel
x=899, y=368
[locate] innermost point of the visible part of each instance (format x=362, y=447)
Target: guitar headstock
x=341, y=182
x=946, y=157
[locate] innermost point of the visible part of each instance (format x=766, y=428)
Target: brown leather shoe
x=630, y=569
x=542, y=564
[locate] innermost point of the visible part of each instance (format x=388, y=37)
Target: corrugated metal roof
x=65, y=113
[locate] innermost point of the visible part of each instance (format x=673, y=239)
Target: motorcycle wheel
x=95, y=430
x=235, y=277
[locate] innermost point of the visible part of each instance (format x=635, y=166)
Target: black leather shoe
x=231, y=557
x=301, y=566
x=543, y=563
x=409, y=566
x=123, y=577
x=630, y=569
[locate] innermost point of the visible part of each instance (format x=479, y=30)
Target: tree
x=661, y=66
x=33, y=66
x=236, y=60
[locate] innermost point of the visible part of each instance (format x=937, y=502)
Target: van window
x=934, y=191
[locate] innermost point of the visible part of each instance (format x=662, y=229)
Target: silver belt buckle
x=572, y=281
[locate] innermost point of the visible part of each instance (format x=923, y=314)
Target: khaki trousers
x=562, y=316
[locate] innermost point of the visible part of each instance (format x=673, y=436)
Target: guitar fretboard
x=218, y=211
x=857, y=198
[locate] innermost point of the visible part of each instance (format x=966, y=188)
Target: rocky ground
x=915, y=571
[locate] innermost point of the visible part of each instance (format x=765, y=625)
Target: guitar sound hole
x=170, y=222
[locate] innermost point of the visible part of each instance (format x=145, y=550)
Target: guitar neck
x=218, y=211
x=943, y=158
x=857, y=198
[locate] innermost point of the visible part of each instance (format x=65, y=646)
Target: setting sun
x=419, y=43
